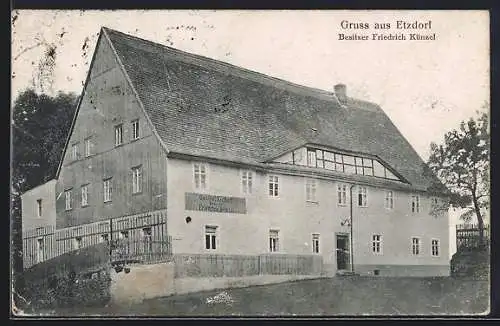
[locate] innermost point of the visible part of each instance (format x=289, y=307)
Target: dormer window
x=311, y=158
x=346, y=163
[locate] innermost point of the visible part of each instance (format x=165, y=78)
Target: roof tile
x=200, y=106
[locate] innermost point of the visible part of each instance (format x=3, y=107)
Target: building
x=242, y=163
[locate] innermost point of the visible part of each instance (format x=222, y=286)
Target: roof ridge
x=234, y=69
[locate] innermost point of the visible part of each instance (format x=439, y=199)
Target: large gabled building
x=243, y=163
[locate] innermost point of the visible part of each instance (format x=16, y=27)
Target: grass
x=352, y=296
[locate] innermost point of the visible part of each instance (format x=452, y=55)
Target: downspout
x=110, y=238
x=351, y=237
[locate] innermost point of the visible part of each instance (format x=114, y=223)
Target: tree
x=462, y=164
x=40, y=125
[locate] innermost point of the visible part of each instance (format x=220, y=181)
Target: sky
x=425, y=87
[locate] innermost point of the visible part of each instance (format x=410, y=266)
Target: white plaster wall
x=298, y=219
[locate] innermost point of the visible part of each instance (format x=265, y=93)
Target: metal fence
x=145, y=235
x=467, y=236
x=144, y=251
x=208, y=265
x=38, y=245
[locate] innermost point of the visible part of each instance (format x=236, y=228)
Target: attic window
x=352, y=164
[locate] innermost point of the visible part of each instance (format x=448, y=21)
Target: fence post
x=258, y=264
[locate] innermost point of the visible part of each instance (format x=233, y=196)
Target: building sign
x=211, y=203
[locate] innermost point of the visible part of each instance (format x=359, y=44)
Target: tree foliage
x=40, y=125
x=462, y=164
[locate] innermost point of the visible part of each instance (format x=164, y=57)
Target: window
x=40, y=256
x=389, y=199
x=246, y=181
x=78, y=243
x=273, y=186
x=311, y=158
x=67, y=195
x=136, y=179
x=85, y=193
x=311, y=190
x=74, y=152
x=211, y=237
x=118, y=135
x=319, y=159
x=435, y=247
x=88, y=147
x=39, y=207
x=362, y=197
x=135, y=129
x=315, y=243
x=274, y=240
x=415, y=204
x=415, y=246
x=108, y=190
x=200, y=176
x=342, y=194
x=347, y=163
x=124, y=235
x=147, y=237
x=377, y=244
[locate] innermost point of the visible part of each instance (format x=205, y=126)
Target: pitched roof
x=204, y=107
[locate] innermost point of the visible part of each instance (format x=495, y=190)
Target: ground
x=331, y=296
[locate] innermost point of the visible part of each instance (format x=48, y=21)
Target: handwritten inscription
x=212, y=203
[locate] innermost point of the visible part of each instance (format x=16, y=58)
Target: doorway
x=342, y=251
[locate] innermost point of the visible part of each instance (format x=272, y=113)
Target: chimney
x=340, y=93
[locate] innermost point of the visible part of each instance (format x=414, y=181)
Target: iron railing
x=467, y=236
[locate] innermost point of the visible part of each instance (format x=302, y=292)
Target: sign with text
x=212, y=203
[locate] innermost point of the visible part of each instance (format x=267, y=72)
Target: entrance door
x=342, y=251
